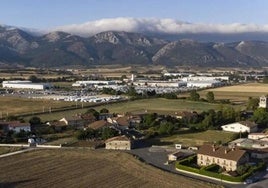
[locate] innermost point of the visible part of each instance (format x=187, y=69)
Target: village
x=232, y=161
x=103, y=129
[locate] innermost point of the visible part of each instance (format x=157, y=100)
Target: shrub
x=186, y=164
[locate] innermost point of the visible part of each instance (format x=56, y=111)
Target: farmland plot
x=85, y=168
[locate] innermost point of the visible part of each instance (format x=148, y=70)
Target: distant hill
x=60, y=49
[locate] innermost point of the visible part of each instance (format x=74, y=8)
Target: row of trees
x=194, y=96
x=89, y=133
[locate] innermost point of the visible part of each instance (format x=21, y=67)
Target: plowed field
x=85, y=168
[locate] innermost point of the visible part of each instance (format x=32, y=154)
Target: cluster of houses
x=124, y=124
x=238, y=151
x=229, y=157
x=16, y=126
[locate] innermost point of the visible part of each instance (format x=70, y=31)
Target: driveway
x=158, y=158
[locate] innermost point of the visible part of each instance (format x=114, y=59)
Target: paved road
x=157, y=158
x=263, y=183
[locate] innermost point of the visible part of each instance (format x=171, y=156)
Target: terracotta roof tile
x=99, y=124
x=118, y=138
x=221, y=152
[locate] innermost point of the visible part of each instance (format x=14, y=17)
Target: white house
x=240, y=127
x=17, y=127
x=258, y=136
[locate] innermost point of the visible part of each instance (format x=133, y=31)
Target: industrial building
x=160, y=83
x=205, y=83
x=21, y=84
x=93, y=83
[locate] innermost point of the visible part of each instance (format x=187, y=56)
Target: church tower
x=263, y=102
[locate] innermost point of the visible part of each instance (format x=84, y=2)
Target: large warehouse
x=21, y=84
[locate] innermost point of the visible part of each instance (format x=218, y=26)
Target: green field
x=238, y=94
x=196, y=139
x=158, y=105
x=18, y=105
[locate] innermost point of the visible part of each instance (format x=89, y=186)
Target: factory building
x=204, y=84
x=21, y=84
x=93, y=83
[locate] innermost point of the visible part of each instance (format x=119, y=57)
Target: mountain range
x=61, y=49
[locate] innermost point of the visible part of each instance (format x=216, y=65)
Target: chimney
x=213, y=147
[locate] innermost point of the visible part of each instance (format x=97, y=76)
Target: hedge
x=204, y=171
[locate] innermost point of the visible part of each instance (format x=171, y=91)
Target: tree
x=104, y=110
x=260, y=116
x=11, y=118
x=108, y=133
x=170, y=95
x=210, y=96
x=242, y=169
x=132, y=91
x=93, y=112
x=35, y=120
x=123, y=77
x=228, y=114
x=166, y=128
x=194, y=96
x=86, y=134
x=208, y=122
x=34, y=79
x=253, y=103
x=149, y=119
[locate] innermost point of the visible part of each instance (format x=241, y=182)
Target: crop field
x=158, y=105
x=239, y=93
x=4, y=150
x=16, y=105
x=86, y=168
x=195, y=139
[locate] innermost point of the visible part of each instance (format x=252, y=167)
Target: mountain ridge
x=57, y=49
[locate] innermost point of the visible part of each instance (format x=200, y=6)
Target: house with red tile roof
x=99, y=124
x=15, y=126
x=119, y=143
x=228, y=158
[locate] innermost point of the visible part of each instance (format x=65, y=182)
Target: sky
x=47, y=14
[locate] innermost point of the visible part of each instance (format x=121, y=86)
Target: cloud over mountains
x=160, y=26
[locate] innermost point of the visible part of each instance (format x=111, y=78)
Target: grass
x=197, y=139
x=17, y=105
x=4, y=150
x=239, y=93
x=86, y=168
x=158, y=105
